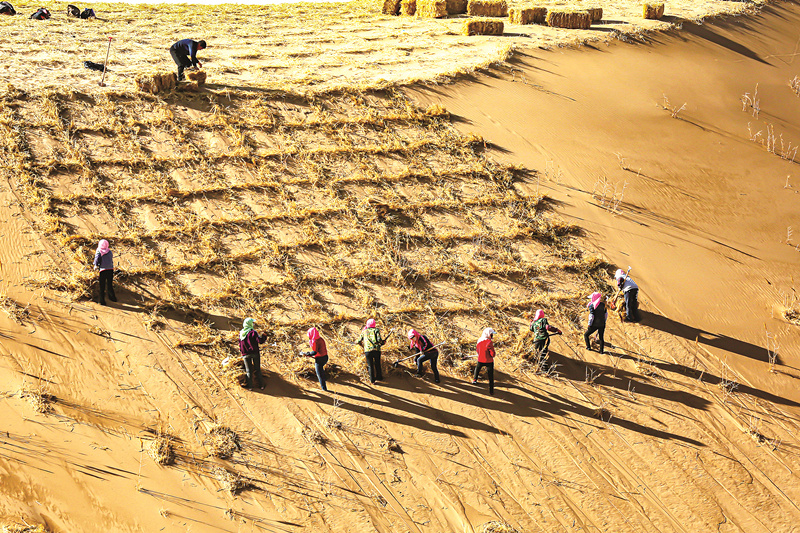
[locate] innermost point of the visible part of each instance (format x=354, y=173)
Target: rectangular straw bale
x=483, y=27
x=573, y=20
x=653, y=11
x=595, y=13
x=432, y=8
x=456, y=7
x=156, y=82
x=391, y=7
x=408, y=7
x=487, y=8
x=530, y=15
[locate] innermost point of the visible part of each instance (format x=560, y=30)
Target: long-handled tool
x=105, y=65
x=396, y=363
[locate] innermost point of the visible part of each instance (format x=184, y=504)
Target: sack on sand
x=41, y=14
x=91, y=65
x=7, y=9
x=88, y=14
x=73, y=11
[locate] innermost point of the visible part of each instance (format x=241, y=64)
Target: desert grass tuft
x=161, y=449
x=390, y=445
x=231, y=482
x=40, y=402
x=572, y=20
x=222, y=441
x=431, y=8
x=15, y=311
x=531, y=15
x=483, y=27
x=487, y=8
x=653, y=11
x=498, y=527
x=313, y=435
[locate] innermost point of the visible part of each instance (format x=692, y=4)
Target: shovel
x=396, y=363
x=105, y=65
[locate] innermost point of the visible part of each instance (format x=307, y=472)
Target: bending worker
x=419, y=343
x=184, y=53
x=486, y=356
x=597, y=320
x=249, y=340
x=371, y=340
x=541, y=336
x=319, y=351
x=630, y=291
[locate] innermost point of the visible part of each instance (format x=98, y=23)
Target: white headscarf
x=487, y=334
x=620, y=274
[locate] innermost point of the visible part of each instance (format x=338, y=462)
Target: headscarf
x=595, y=298
x=539, y=314
x=103, y=247
x=249, y=325
x=370, y=324
x=313, y=335
x=413, y=336
x=487, y=334
x=619, y=274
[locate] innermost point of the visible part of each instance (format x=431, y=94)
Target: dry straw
x=408, y=7
x=573, y=20
x=530, y=15
x=24, y=528
x=431, y=8
x=199, y=77
x=391, y=7
x=487, y=8
x=157, y=82
x=653, y=11
x=483, y=27
x=595, y=13
x=230, y=481
x=161, y=450
x=456, y=7
x=222, y=441
x=498, y=527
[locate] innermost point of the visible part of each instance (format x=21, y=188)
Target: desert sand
x=447, y=207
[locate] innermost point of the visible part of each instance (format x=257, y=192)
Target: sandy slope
x=641, y=439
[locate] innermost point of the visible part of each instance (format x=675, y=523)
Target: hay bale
x=408, y=7
x=531, y=15
x=483, y=27
x=595, y=14
x=653, y=11
x=200, y=76
x=431, y=8
x=572, y=20
x=157, y=82
x=456, y=7
x=487, y=8
x=391, y=7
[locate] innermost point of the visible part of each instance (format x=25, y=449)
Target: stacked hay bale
x=653, y=11
x=391, y=7
x=531, y=15
x=456, y=7
x=432, y=8
x=487, y=8
x=573, y=20
x=595, y=14
x=156, y=83
x=408, y=7
x=483, y=27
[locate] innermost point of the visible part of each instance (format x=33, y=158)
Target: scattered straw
x=16, y=312
x=303, y=367
x=532, y=15
x=160, y=449
x=332, y=422
x=38, y=400
x=313, y=435
x=200, y=77
x=498, y=527
x=222, y=441
x=466, y=367
x=653, y=11
x=487, y=8
x=483, y=27
x=24, y=528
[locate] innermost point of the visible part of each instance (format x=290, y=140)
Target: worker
x=41, y=14
x=597, y=320
x=249, y=341
x=541, y=336
x=104, y=260
x=420, y=344
x=486, y=355
x=371, y=340
x=319, y=351
x=631, y=293
x=7, y=9
x=184, y=53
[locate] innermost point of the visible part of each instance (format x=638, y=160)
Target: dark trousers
x=541, y=347
x=319, y=366
x=433, y=357
x=632, y=305
x=600, y=333
x=181, y=59
x=489, y=371
x=107, y=285
x=374, y=365
x=252, y=367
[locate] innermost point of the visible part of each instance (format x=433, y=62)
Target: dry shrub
x=313, y=435
x=431, y=8
x=303, y=367
x=331, y=422
x=531, y=15
x=653, y=11
x=200, y=77
x=39, y=401
x=390, y=445
x=573, y=20
x=456, y=7
x=234, y=373
x=391, y=7
x=155, y=83
x=498, y=527
x=16, y=312
x=483, y=27
x=161, y=450
x=487, y=8
x=24, y=528
x=792, y=315
x=230, y=481
x=222, y=441
x=595, y=13
x=408, y=7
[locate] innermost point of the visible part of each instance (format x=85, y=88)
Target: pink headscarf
x=539, y=314
x=595, y=298
x=103, y=247
x=370, y=324
x=413, y=336
x=313, y=335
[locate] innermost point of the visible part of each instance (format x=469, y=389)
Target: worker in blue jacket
x=184, y=53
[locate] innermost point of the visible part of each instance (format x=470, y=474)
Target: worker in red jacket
x=486, y=355
x=319, y=351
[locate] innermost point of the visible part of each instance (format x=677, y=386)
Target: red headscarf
x=313, y=335
x=370, y=324
x=413, y=336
